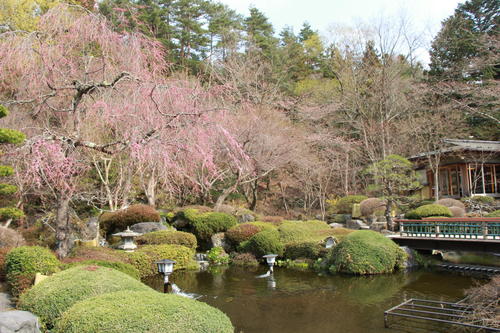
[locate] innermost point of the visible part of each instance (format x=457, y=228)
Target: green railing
x=464, y=228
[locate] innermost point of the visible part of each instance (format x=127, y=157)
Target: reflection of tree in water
x=374, y=289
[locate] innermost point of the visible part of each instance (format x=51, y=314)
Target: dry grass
x=485, y=302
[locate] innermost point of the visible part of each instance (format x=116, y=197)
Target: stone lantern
x=127, y=237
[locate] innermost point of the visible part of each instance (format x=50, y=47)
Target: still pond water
x=306, y=302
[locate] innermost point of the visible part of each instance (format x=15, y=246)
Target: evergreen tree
x=225, y=27
x=470, y=33
x=306, y=32
x=9, y=136
x=260, y=32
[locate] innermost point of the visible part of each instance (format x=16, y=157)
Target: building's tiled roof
x=454, y=145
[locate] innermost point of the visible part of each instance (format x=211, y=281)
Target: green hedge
x=54, y=295
x=495, y=213
x=143, y=312
x=344, y=204
x=119, y=266
x=431, y=210
x=22, y=264
x=366, y=252
x=113, y=222
x=307, y=250
x=264, y=242
x=144, y=258
x=168, y=237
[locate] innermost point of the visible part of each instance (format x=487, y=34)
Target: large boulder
x=18, y=322
x=145, y=227
x=357, y=225
x=411, y=260
x=219, y=240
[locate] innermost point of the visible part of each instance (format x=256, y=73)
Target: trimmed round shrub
x=22, y=264
x=10, y=238
x=119, y=266
x=168, y=237
x=495, y=213
x=10, y=212
x=264, y=242
x=344, y=204
x=244, y=259
x=242, y=232
x=372, y=206
x=218, y=256
x=53, y=296
x=113, y=222
x=204, y=225
x=144, y=258
x=298, y=231
x=482, y=199
x=366, y=252
x=449, y=202
x=432, y=210
x=457, y=211
x=411, y=215
x=341, y=233
x=207, y=224
x=307, y=250
x=11, y=136
x=143, y=312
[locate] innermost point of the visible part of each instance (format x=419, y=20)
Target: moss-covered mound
x=301, y=231
x=138, y=312
x=119, y=266
x=366, y=252
x=168, y=237
x=144, y=258
x=22, y=263
x=51, y=297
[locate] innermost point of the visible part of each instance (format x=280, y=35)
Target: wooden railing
x=464, y=228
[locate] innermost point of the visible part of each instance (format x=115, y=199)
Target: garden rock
x=18, y=322
x=411, y=260
x=357, y=224
x=145, y=227
x=219, y=240
x=336, y=225
x=246, y=218
x=378, y=226
x=91, y=230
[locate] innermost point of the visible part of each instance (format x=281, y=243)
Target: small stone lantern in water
x=165, y=267
x=127, y=237
x=270, y=258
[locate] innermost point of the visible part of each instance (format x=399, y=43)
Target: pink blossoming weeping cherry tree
x=84, y=89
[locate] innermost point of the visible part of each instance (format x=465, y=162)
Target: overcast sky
x=426, y=15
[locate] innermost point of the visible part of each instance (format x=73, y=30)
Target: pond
x=307, y=302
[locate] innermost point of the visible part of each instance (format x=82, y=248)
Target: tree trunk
x=150, y=190
x=224, y=195
x=436, y=184
x=253, y=202
x=63, y=241
x=388, y=215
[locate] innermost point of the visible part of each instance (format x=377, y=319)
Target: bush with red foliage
x=112, y=222
x=242, y=232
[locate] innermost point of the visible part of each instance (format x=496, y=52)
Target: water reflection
x=303, y=301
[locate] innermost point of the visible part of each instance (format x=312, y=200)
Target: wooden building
x=465, y=168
